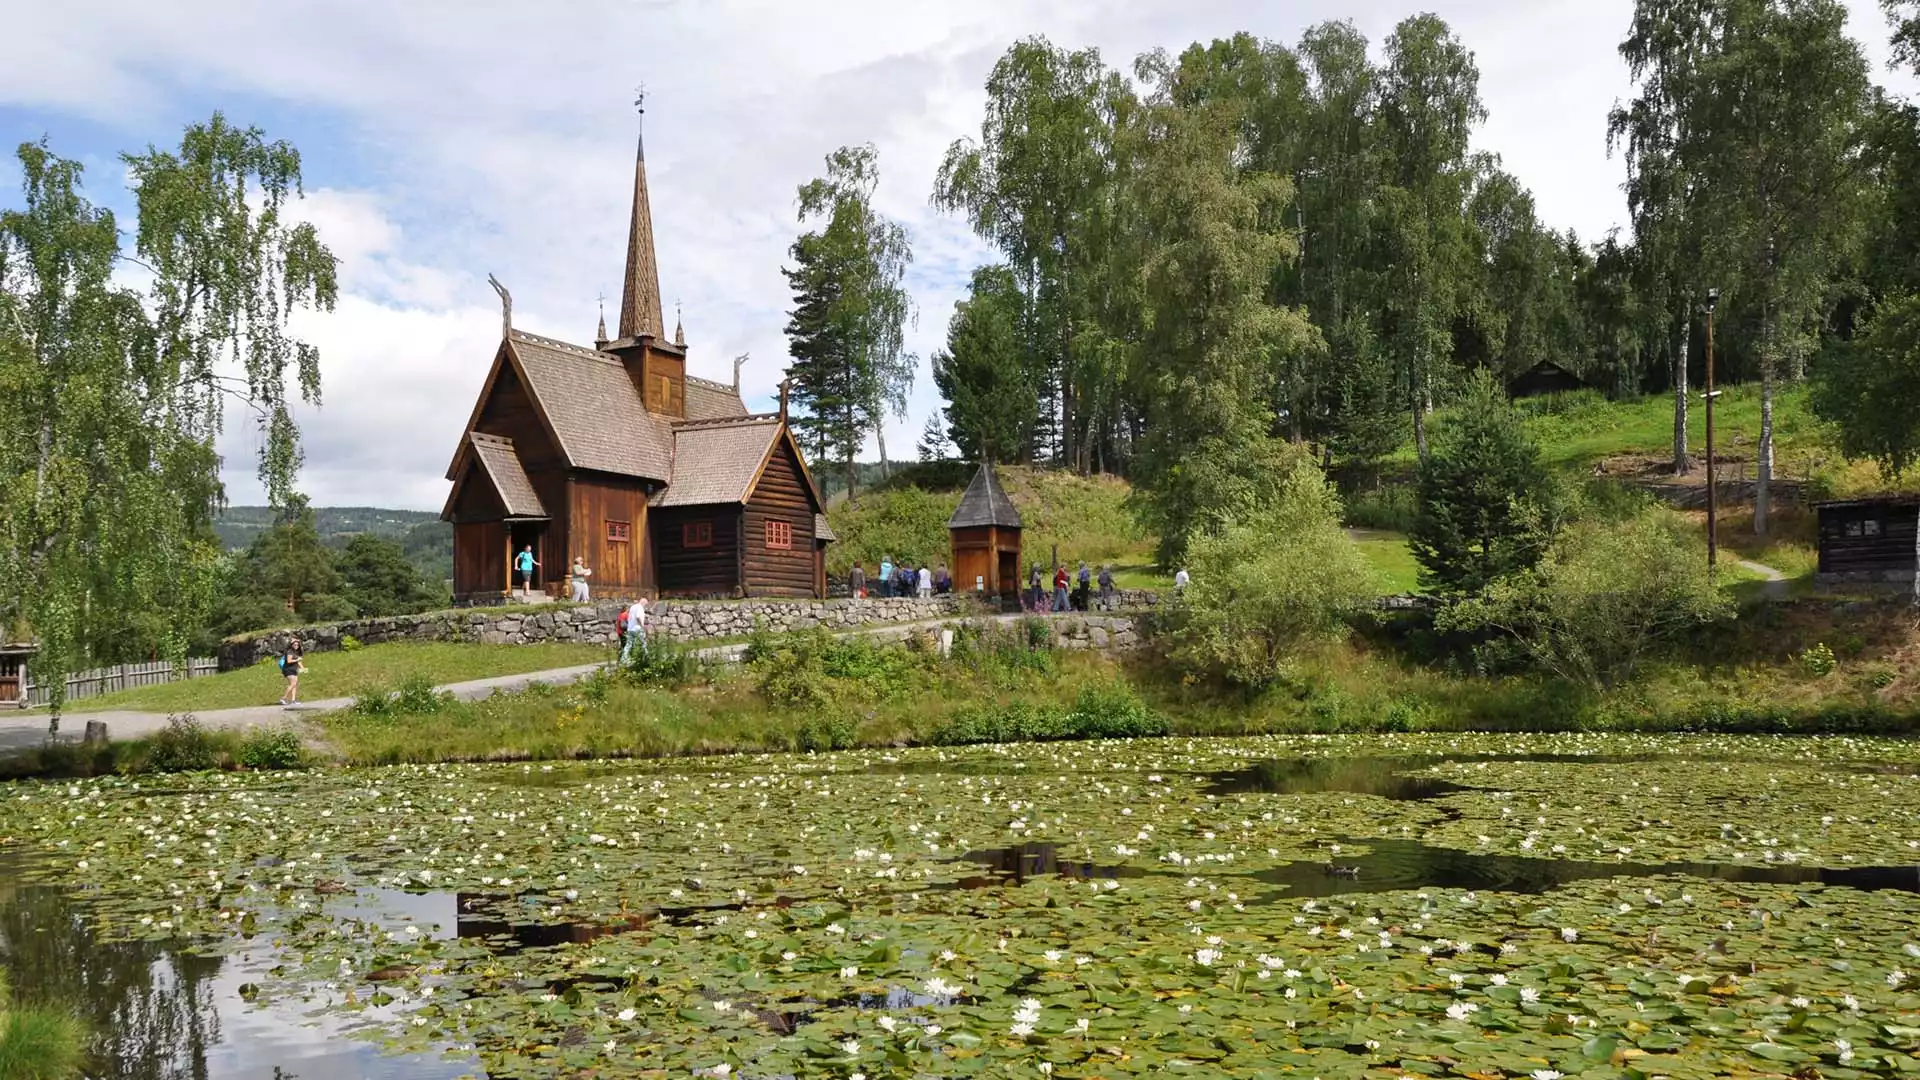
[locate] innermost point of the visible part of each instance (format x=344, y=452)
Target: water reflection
x=1403, y=864
x=1017, y=865
x=160, y=1012
x=1383, y=777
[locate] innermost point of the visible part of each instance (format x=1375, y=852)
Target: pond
x=1323, y=906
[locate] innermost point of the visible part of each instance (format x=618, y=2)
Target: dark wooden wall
x=705, y=571
x=479, y=557
x=593, y=500
x=781, y=495
x=1892, y=549
x=509, y=412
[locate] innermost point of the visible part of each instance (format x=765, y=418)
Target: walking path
x=28, y=730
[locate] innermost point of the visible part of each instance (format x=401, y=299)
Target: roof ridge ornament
x=506, y=306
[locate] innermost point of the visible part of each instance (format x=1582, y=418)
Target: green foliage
x=823, y=733
x=984, y=372
x=664, y=663
x=900, y=523
x=183, y=746
x=1870, y=388
x=1484, y=499
x=265, y=748
x=1391, y=507
x=846, y=332
x=1269, y=590
x=349, y=643
x=377, y=578
x=1817, y=661
x=1606, y=597
x=38, y=1042
x=111, y=400
x=1101, y=711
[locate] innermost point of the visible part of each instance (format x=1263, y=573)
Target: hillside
x=427, y=540
x=1086, y=516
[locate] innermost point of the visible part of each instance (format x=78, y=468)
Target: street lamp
x=1713, y=494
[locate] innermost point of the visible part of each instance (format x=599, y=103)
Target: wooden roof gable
x=985, y=503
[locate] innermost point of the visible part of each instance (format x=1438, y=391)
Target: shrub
x=822, y=733
x=416, y=696
x=349, y=643
x=1001, y=654
x=1606, y=595
x=1268, y=590
x=811, y=669
x=1486, y=506
x=376, y=702
x=1111, y=711
x=662, y=663
x=1392, y=508
x=271, y=749
x=182, y=746
x=1818, y=660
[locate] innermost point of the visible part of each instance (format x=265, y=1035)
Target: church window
x=619, y=532
x=779, y=536
x=696, y=534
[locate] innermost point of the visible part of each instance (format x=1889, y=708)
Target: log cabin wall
x=479, y=557
x=607, y=518
x=778, y=549
x=1868, y=537
x=696, y=550
x=509, y=412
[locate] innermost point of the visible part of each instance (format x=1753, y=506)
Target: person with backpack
x=1083, y=590
x=1106, y=587
x=857, y=582
x=290, y=667
x=636, y=614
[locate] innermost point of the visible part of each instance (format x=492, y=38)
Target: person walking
x=1059, y=588
x=290, y=667
x=636, y=629
x=942, y=581
x=1083, y=588
x=1180, y=580
x=580, y=575
x=857, y=582
x=926, y=582
x=886, y=575
x=1106, y=587
x=525, y=563
x=1034, y=595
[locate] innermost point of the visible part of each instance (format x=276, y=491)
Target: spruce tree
x=1483, y=496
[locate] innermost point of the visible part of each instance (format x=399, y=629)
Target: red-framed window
x=619, y=532
x=779, y=536
x=695, y=534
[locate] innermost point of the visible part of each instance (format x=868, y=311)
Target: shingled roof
x=716, y=461
x=591, y=403
x=707, y=400
x=985, y=503
x=502, y=465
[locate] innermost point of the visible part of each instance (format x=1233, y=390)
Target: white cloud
x=444, y=143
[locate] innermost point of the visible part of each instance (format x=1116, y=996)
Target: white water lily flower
x=722, y=1006
x=1460, y=1010
x=850, y=972
x=1206, y=957
x=1844, y=1050
x=1895, y=978
x=625, y=1015
x=1568, y=933
x=851, y=1046
x=1546, y=1074
x=888, y=1023
x=1529, y=995
x=938, y=987
x=611, y=1044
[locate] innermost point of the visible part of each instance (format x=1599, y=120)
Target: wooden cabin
x=1545, y=377
x=985, y=533
x=1870, y=543
x=13, y=672
x=661, y=482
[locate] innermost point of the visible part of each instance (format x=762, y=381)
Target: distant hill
x=427, y=540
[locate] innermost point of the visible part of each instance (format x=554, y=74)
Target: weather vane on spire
x=640, y=98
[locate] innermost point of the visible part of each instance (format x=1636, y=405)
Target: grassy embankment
x=348, y=674
x=38, y=1043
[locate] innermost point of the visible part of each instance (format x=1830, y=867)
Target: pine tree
x=983, y=373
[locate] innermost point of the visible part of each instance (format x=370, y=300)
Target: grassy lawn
x=1391, y=558
x=346, y=674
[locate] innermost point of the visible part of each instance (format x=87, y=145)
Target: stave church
x=660, y=481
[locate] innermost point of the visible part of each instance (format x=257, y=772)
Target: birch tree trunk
x=1682, y=461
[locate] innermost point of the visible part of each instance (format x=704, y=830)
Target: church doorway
x=520, y=534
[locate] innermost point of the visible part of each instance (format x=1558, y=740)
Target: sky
x=443, y=140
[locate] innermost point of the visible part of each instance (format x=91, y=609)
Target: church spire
x=600, y=333
x=640, y=303
x=679, y=327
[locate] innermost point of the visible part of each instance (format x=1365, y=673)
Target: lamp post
x=1713, y=494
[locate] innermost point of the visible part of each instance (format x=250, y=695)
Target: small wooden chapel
x=661, y=482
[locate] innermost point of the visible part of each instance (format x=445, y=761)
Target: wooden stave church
x=663, y=483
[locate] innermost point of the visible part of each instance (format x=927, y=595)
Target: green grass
x=348, y=674
x=1392, y=559
x=39, y=1043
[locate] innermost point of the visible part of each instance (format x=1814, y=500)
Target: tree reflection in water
x=150, y=1007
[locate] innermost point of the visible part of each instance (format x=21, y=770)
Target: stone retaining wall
x=1113, y=633
x=682, y=620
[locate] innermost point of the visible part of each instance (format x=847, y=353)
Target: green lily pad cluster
x=1093, y=909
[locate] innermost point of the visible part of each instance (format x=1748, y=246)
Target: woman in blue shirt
x=525, y=564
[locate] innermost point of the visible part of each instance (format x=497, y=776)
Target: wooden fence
x=106, y=680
